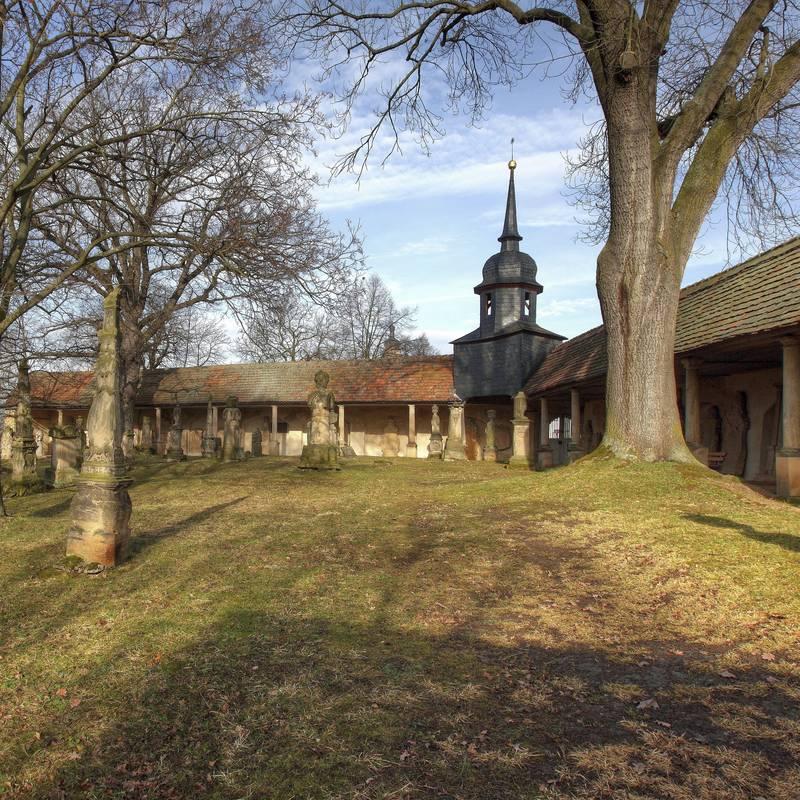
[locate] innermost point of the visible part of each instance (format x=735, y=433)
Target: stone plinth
x=520, y=458
x=435, y=445
x=101, y=509
x=101, y=513
x=544, y=457
x=320, y=456
x=67, y=455
x=175, y=445
x=787, y=473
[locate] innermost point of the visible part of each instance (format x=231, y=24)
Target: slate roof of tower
x=759, y=295
x=391, y=380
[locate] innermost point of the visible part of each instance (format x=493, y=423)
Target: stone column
x=24, y=477
x=575, y=451
x=691, y=411
x=435, y=444
x=520, y=442
x=787, y=460
x=544, y=455
x=157, y=449
x=490, y=451
x=454, y=449
x=101, y=508
x=274, y=441
x=411, y=447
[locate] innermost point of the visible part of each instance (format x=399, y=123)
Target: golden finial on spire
x=512, y=165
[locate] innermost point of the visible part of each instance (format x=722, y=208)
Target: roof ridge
x=735, y=269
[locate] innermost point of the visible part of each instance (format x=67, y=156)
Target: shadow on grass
x=788, y=541
x=142, y=541
x=301, y=707
x=54, y=509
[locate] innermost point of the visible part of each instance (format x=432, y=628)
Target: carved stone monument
x=101, y=509
x=24, y=477
x=175, y=437
x=490, y=451
x=208, y=446
x=256, y=443
x=66, y=454
x=320, y=453
x=147, y=435
x=232, y=423
x=520, y=439
x=454, y=449
x=435, y=444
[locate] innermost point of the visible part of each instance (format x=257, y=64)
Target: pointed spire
x=510, y=237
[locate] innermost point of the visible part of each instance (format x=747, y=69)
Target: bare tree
x=354, y=323
x=694, y=96
x=191, y=338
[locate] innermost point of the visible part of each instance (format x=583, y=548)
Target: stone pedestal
x=787, y=472
x=320, y=456
x=435, y=446
x=67, y=455
x=101, y=508
x=544, y=457
x=454, y=449
x=521, y=434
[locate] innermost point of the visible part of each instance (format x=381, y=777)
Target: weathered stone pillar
x=67, y=454
x=24, y=477
x=691, y=411
x=411, y=447
x=232, y=420
x=60, y=422
x=520, y=441
x=575, y=450
x=454, y=449
x=787, y=460
x=208, y=446
x=544, y=455
x=175, y=437
x=101, y=508
x=157, y=449
x=435, y=444
x=490, y=451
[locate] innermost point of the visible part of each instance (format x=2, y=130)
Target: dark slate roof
x=512, y=327
x=756, y=296
x=390, y=380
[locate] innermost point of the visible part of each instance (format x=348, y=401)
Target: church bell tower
x=497, y=358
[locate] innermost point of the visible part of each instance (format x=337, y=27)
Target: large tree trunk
x=132, y=359
x=638, y=283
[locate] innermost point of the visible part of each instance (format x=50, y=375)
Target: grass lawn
x=408, y=630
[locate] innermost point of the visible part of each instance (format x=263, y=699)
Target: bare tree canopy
x=354, y=324
x=696, y=97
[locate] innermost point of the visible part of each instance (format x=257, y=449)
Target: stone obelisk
x=101, y=509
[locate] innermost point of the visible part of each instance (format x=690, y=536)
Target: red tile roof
x=395, y=380
x=756, y=296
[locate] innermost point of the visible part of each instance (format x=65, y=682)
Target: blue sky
x=430, y=221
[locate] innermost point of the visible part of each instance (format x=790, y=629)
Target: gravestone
x=208, y=447
x=320, y=453
x=256, y=443
x=232, y=423
x=24, y=477
x=101, y=508
x=147, y=435
x=435, y=444
x=175, y=437
x=490, y=451
x=66, y=454
x=454, y=449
